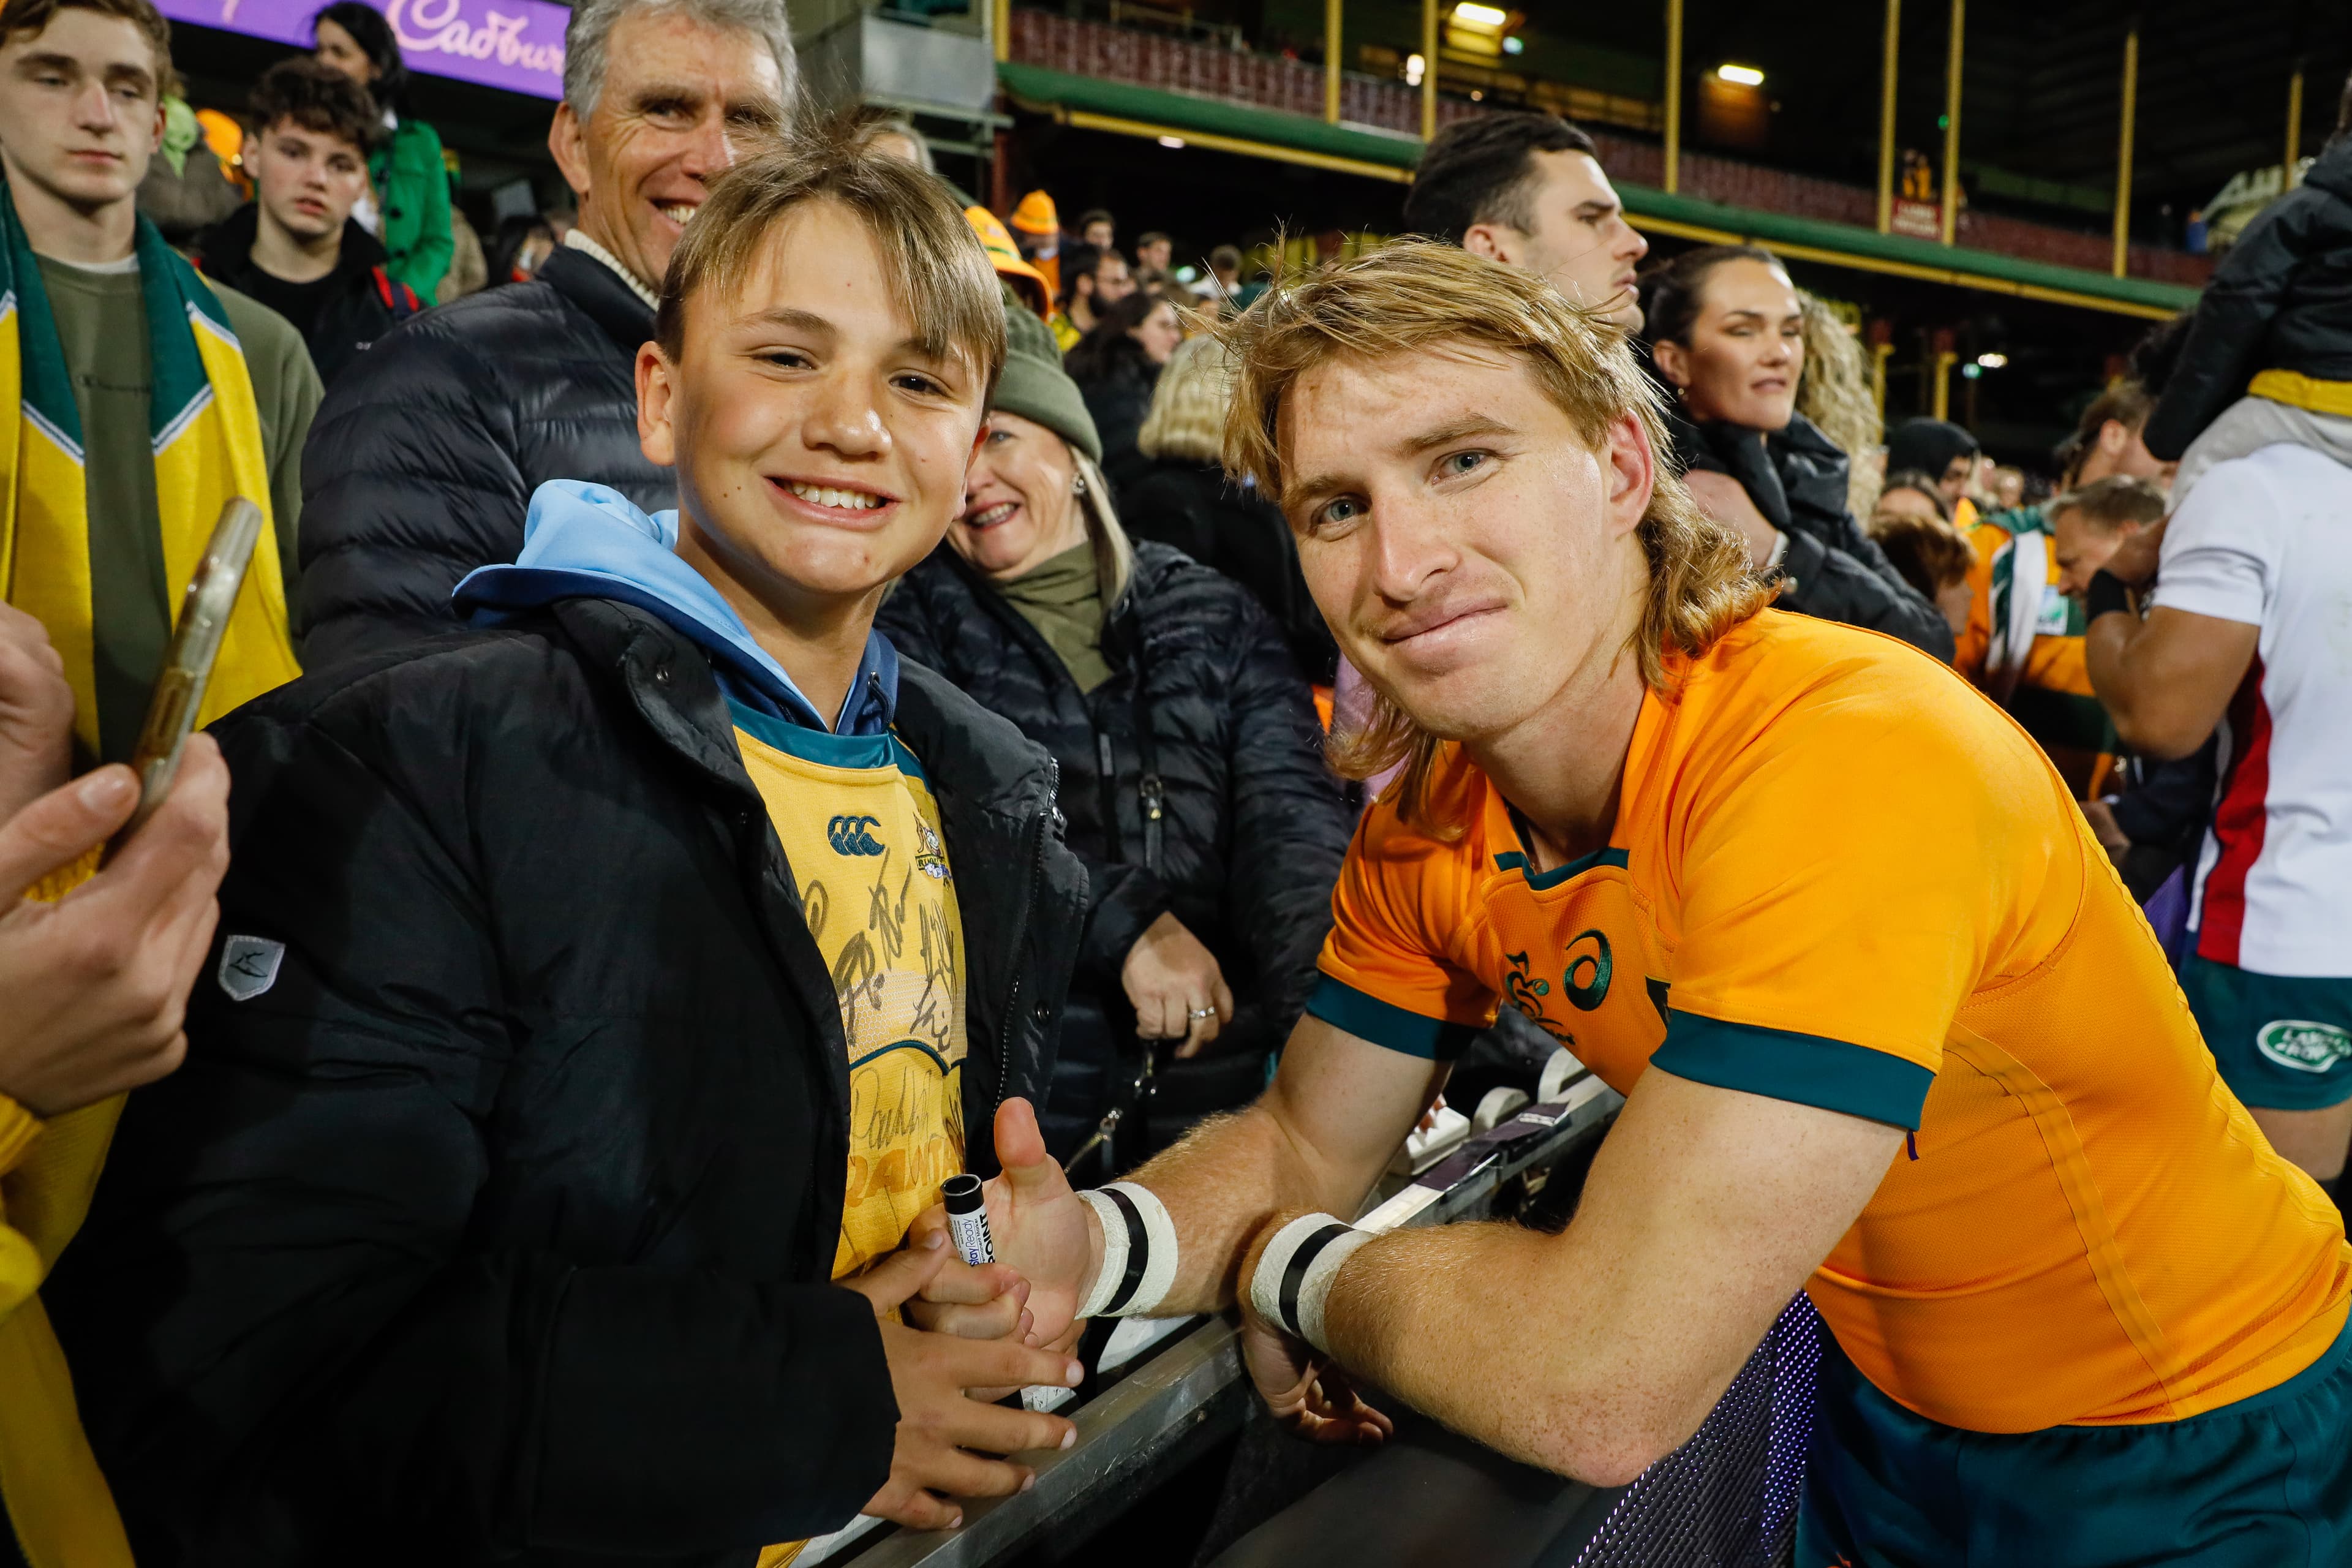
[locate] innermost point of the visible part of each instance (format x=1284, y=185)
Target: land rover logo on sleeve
x=249, y=966
x=2304, y=1045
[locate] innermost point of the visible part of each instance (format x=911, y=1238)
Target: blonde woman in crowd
x=1835, y=394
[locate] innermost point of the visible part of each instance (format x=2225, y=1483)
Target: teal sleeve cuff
x=1368, y=1017
x=1804, y=1069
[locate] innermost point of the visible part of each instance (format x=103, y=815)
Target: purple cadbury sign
x=517, y=45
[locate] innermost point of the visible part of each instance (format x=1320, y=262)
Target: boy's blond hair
x=1413, y=296
x=938, y=276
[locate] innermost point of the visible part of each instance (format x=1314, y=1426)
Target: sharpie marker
x=968, y=1219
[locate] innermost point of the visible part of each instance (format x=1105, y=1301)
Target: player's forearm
x=1545, y=1357
x=1221, y=1185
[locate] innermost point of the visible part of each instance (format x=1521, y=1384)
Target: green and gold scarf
x=207, y=435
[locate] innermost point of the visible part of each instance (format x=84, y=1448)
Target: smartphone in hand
x=179, y=689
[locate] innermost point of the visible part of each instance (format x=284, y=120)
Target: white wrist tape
x=1295, y=1271
x=1138, y=1262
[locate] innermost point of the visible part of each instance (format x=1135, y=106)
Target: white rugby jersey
x=2266, y=540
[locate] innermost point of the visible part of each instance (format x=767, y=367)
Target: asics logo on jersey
x=853, y=835
x=1587, y=980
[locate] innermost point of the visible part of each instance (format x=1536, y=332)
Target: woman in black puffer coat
x=1727, y=335
x=1116, y=365
x=1183, y=497
x=1192, y=777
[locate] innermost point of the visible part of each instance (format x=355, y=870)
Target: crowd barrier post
x=1952, y=135
x=1886, y=125
x=2293, y=125
x=1331, y=62
x=1428, y=71
x=2124, y=150
x=1674, y=96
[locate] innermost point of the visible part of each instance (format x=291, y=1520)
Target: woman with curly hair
x=1834, y=392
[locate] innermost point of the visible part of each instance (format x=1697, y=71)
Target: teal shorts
x=2283, y=1042
x=2263, y=1483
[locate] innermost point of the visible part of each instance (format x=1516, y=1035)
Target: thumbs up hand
x=1040, y=1228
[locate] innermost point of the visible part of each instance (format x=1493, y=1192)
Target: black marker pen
x=968, y=1219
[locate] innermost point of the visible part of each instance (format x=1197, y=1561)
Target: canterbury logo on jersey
x=853, y=835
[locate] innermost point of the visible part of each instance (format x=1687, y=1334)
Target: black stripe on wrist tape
x=1294, y=1276
x=1138, y=1250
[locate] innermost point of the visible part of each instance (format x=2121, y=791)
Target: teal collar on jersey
x=823, y=747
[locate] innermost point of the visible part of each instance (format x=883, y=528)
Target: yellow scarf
x=206, y=435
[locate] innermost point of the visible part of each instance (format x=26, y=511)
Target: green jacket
x=412, y=188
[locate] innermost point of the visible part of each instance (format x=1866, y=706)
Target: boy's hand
x=1039, y=1226
x=931, y=1377
x=989, y=1302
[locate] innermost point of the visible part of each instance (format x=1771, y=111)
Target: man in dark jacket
x=422, y=460
x=600, y=995
x=294, y=246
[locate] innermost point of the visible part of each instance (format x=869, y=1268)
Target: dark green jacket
x=412, y=187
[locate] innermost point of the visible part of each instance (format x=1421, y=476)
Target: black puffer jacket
x=498, y=1226
x=1798, y=481
x=423, y=458
x=2281, y=301
x=362, y=305
x=1251, y=829
x=1231, y=528
x=1118, y=399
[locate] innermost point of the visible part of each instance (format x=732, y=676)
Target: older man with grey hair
x=424, y=455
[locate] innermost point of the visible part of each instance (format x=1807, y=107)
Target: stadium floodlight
x=1740, y=75
x=1470, y=14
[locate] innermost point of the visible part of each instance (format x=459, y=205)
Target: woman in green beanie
x=1192, y=768
x=406, y=173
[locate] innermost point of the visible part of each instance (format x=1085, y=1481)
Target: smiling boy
x=611, y=981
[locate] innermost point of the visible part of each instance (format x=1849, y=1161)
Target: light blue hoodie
x=591, y=542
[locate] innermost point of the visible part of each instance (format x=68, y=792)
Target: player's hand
x=1178, y=990
x=1041, y=1229
x=2134, y=562
x=1303, y=1389
x=97, y=984
x=943, y=1432
x=36, y=709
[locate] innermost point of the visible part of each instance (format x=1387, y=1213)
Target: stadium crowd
x=799, y=687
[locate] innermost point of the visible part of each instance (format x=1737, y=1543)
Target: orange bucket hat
x=1004, y=255
x=1035, y=214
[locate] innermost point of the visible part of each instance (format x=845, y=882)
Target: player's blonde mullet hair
x=1415, y=295
x=937, y=272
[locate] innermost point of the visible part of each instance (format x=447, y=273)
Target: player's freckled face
x=1471, y=553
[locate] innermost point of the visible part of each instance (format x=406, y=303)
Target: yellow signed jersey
x=862, y=833
x=1841, y=877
